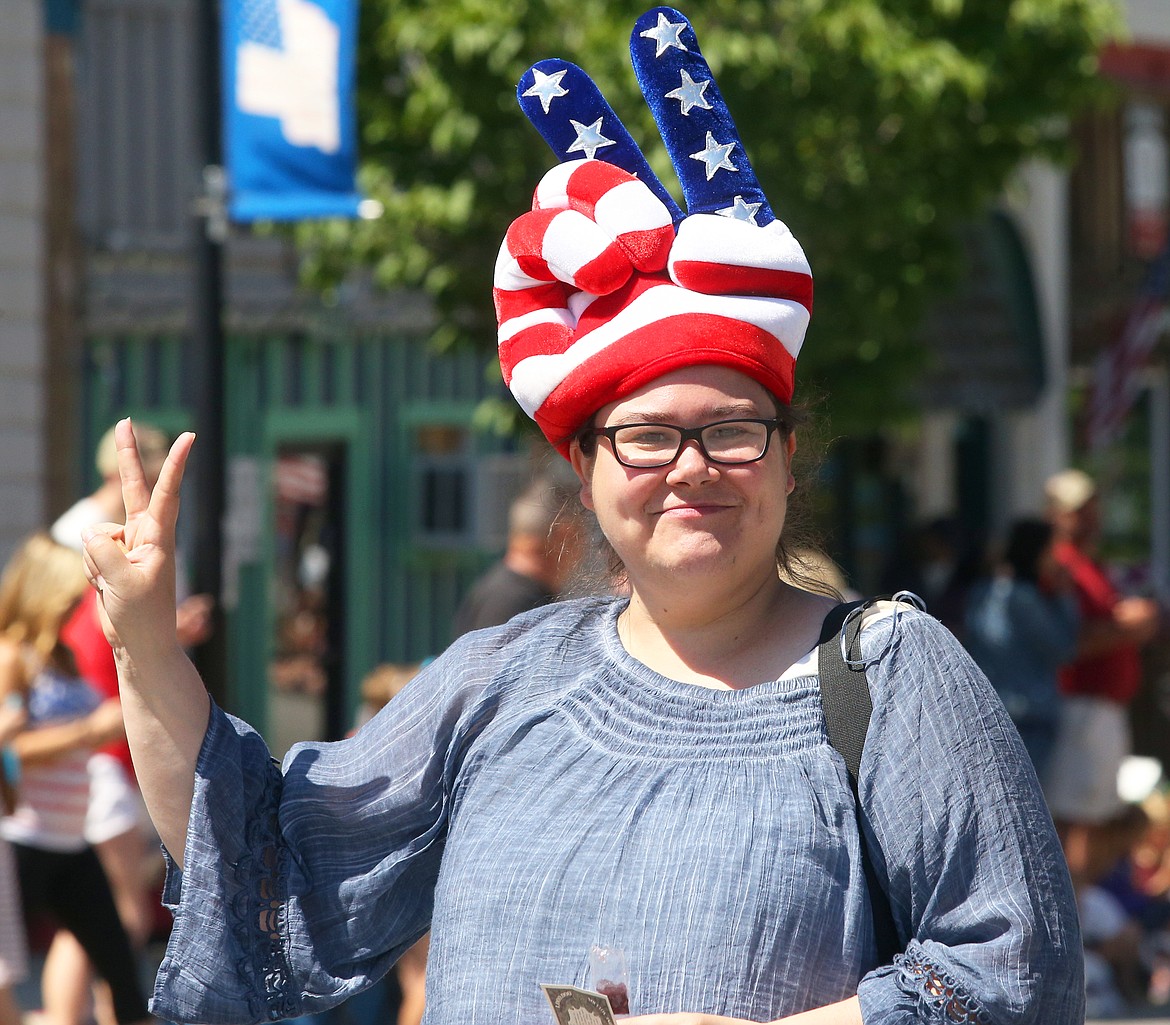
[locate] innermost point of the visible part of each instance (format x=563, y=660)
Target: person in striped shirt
x=59, y=872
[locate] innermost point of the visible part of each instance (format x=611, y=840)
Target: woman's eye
x=646, y=437
x=727, y=432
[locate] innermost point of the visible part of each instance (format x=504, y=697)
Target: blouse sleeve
x=302, y=884
x=976, y=877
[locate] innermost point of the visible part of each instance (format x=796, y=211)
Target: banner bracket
x=211, y=203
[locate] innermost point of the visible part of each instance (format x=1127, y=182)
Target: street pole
x=210, y=231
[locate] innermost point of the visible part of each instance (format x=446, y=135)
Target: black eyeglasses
x=729, y=442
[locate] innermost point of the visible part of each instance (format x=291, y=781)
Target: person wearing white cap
x=647, y=772
x=1093, y=737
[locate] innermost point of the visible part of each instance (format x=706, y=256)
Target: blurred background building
x=360, y=500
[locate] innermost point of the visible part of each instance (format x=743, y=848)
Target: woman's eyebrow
x=711, y=415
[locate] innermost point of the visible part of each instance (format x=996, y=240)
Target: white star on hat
x=589, y=139
x=665, y=35
x=690, y=93
x=715, y=156
x=741, y=210
x=547, y=87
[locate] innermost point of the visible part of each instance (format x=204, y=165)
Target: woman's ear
x=790, y=447
x=583, y=468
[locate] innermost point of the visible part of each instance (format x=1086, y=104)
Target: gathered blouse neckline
x=805, y=666
x=625, y=705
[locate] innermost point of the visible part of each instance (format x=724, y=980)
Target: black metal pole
x=208, y=462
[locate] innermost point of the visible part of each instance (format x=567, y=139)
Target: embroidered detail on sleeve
x=939, y=991
x=259, y=910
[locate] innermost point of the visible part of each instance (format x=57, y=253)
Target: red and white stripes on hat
x=596, y=296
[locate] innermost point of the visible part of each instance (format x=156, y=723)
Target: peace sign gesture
x=164, y=702
x=696, y=127
x=133, y=565
x=607, y=282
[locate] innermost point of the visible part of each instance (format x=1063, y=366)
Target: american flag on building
x=1117, y=371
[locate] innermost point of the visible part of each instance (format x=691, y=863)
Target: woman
x=58, y=870
x=1022, y=625
x=648, y=772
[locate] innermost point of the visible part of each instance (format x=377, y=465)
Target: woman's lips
x=693, y=509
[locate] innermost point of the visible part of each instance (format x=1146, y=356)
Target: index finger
x=135, y=490
x=693, y=119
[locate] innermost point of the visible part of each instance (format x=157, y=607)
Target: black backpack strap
x=844, y=693
x=847, y=707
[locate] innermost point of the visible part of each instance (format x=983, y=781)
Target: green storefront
x=360, y=504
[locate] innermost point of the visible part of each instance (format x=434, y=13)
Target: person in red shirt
x=1101, y=680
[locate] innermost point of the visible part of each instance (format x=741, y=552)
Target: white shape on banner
x=296, y=83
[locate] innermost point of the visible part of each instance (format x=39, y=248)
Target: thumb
x=105, y=553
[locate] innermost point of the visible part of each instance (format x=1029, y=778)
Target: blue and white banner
x=290, y=132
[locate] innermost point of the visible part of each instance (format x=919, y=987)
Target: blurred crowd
x=80, y=865
x=1069, y=651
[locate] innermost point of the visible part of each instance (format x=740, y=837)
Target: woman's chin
x=694, y=552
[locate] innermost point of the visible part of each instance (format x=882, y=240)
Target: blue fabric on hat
x=575, y=119
x=557, y=96
x=671, y=73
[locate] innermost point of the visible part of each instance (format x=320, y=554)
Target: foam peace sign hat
x=606, y=284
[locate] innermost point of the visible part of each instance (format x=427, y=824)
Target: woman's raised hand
x=133, y=565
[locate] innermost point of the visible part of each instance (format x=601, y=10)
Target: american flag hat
x=606, y=284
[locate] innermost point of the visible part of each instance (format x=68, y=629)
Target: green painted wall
x=373, y=401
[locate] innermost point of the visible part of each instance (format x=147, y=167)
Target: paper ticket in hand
x=573, y=1006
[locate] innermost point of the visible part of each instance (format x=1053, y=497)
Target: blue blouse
x=536, y=791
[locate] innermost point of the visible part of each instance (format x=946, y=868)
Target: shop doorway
x=306, y=667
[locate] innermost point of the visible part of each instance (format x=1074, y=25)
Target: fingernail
x=100, y=583
x=86, y=534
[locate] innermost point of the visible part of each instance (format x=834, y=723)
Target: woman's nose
x=692, y=464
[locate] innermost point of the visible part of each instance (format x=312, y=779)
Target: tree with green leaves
x=877, y=128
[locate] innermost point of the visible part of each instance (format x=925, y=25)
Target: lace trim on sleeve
x=259, y=910
x=939, y=991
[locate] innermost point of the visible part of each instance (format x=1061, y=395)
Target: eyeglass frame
x=686, y=434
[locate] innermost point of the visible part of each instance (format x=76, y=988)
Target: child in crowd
x=59, y=871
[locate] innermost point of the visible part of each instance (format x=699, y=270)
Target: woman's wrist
x=149, y=661
x=161, y=686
